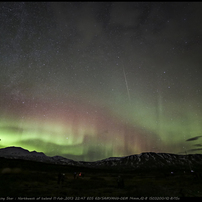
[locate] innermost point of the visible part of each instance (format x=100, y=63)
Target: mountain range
x=143, y=161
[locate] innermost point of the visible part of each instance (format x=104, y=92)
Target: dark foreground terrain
x=19, y=178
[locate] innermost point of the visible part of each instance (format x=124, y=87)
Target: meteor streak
x=126, y=84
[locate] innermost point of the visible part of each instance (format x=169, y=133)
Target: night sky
x=88, y=81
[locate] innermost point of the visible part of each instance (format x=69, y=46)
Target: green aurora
x=88, y=81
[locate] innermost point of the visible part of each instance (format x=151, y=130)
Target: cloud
x=193, y=150
x=198, y=145
x=12, y=129
x=88, y=28
x=125, y=14
x=194, y=138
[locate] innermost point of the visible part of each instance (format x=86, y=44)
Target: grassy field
x=40, y=180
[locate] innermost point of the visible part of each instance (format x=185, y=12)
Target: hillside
x=143, y=161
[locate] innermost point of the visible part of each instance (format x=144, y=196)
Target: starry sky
x=92, y=80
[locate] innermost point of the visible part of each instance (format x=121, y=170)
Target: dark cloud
x=198, y=145
x=194, y=138
x=12, y=129
x=194, y=150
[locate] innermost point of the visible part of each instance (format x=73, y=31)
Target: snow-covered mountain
x=143, y=161
x=151, y=160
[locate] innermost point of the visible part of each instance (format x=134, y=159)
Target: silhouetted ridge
x=146, y=160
